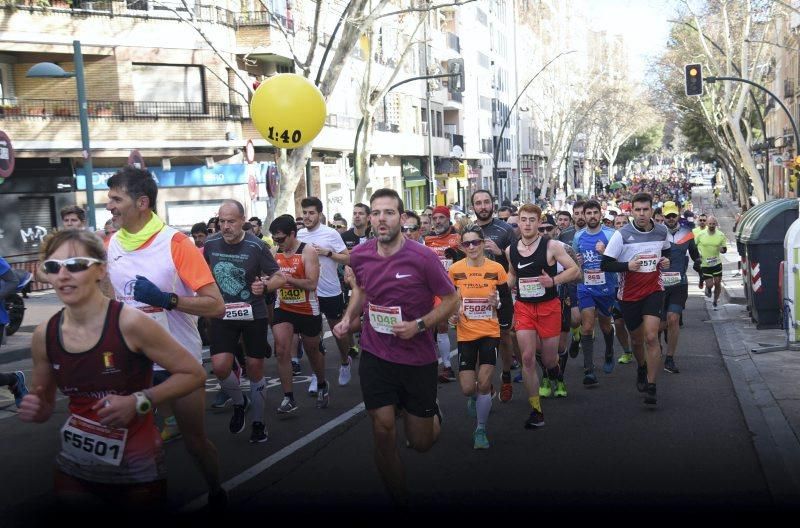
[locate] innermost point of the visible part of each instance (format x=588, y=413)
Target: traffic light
x=456, y=83
x=694, y=79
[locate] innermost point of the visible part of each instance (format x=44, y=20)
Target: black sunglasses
x=278, y=240
x=472, y=243
x=73, y=265
x=546, y=229
x=406, y=229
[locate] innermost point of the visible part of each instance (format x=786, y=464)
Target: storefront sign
x=183, y=176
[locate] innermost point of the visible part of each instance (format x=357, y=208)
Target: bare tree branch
x=312, y=48
x=421, y=9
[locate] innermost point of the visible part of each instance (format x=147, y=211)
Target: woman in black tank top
x=100, y=355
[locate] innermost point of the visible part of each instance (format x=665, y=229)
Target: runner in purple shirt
x=394, y=282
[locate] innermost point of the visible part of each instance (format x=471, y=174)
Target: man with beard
x=445, y=242
x=566, y=229
x=424, y=225
x=597, y=293
x=676, y=285
x=497, y=236
x=394, y=283
x=358, y=233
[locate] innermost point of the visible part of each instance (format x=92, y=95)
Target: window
x=161, y=89
x=284, y=68
x=483, y=60
x=6, y=84
x=481, y=17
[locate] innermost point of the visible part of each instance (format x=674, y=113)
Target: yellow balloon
x=288, y=110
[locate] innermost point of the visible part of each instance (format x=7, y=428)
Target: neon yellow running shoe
x=624, y=359
x=561, y=390
x=545, y=388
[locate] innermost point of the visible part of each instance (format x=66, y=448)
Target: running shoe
x=626, y=358
x=506, y=392
x=536, y=419
x=221, y=400
x=608, y=366
x=259, y=433
x=438, y=411
x=669, y=365
x=19, y=390
x=641, y=378
x=323, y=395
x=472, y=407
x=170, y=433
x=354, y=352
x=344, y=373
x=297, y=370
x=479, y=440
x=714, y=304
x=287, y=406
x=589, y=378
x=447, y=375
x=518, y=378
x=561, y=389
x=237, y=420
x=650, y=394
x=312, y=387
x=545, y=388
x=515, y=364
x=574, y=346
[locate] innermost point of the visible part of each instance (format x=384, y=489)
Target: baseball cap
x=670, y=208
x=548, y=220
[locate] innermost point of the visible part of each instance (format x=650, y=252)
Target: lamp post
x=49, y=70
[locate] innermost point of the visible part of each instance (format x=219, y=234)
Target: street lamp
x=49, y=70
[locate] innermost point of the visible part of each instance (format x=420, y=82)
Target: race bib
x=477, y=308
x=382, y=318
x=295, y=296
x=594, y=278
x=238, y=312
x=157, y=314
x=648, y=262
x=713, y=261
x=670, y=278
x=91, y=443
x=447, y=263
x=530, y=287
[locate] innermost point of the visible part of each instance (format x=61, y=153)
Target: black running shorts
x=713, y=271
x=224, y=337
x=675, y=299
x=385, y=383
x=332, y=307
x=307, y=325
x=483, y=350
x=634, y=311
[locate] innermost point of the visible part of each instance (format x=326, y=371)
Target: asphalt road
x=601, y=449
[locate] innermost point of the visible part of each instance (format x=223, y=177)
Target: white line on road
x=273, y=459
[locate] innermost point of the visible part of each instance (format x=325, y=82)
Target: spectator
x=199, y=234
x=73, y=217
x=256, y=223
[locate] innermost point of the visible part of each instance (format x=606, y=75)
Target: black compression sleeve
x=505, y=294
x=612, y=264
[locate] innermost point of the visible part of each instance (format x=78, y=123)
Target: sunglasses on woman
x=472, y=243
x=73, y=265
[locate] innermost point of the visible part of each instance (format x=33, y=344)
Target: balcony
x=129, y=8
x=263, y=18
x=386, y=127
x=18, y=109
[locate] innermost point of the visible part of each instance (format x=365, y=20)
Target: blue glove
x=146, y=292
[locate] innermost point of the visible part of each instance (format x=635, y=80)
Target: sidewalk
x=766, y=384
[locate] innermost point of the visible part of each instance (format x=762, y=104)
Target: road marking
x=273, y=459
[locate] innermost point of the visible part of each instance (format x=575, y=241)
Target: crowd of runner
x=517, y=283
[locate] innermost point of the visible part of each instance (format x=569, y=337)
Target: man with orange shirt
x=157, y=269
x=445, y=242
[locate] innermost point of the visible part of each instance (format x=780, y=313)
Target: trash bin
x=747, y=219
x=762, y=235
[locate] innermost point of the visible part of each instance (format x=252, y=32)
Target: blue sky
x=642, y=22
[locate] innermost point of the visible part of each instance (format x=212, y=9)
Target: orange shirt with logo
x=296, y=300
x=475, y=285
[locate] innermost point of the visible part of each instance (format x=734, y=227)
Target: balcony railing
x=130, y=8
x=263, y=18
x=387, y=127
x=121, y=110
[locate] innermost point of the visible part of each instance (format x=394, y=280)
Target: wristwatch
x=329, y=254
x=143, y=403
x=420, y=326
x=173, y=301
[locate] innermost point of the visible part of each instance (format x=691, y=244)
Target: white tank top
x=155, y=262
